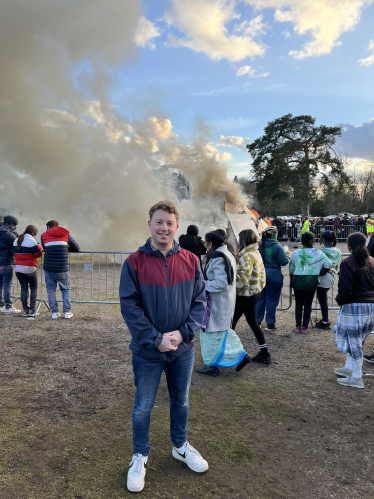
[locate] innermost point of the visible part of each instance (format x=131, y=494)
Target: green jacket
x=250, y=272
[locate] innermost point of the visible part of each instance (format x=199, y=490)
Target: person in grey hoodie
x=274, y=257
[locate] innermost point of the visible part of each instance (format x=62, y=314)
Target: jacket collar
x=149, y=250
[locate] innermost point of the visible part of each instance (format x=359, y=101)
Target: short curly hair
x=165, y=206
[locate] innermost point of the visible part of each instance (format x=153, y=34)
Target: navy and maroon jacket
x=57, y=242
x=160, y=294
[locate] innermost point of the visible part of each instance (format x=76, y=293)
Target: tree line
x=295, y=169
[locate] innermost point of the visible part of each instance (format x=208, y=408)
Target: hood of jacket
x=147, y=248
x=310, y=256
x=4, y=229
x=250, y=247
x=189, y=241
x=57, y=232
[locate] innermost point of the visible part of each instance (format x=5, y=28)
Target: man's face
x=12, y=227
x=163, y=227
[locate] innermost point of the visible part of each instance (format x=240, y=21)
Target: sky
x=228, y=67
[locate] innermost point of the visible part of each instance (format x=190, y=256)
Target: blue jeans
x=147, y=379
x=63, y=280
x=6, y=283
x=269, y=296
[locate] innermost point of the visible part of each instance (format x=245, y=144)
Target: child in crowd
x=26, y=252
x=356, y=316
x=306, y=265
x=328, y=239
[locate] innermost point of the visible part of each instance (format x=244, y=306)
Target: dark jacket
x=356, y=284
x=7, y=238
x=273, y=255
x=371, y=247
x=57, y=243
x=161, y=294
x=193, y=244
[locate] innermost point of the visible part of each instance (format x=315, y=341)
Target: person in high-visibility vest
x=370, y=226
x=306, y=226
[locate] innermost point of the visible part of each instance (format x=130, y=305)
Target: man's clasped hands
x=170, y=341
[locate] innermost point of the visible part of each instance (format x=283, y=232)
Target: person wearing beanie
x=193, y=242
x=306, y=265
x=7, y=264
x=274, y=257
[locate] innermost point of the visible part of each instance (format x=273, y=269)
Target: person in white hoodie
x=26, y=252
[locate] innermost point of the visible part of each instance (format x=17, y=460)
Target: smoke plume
x=65, y=152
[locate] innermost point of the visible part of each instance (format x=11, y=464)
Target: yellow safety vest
x=369, y=226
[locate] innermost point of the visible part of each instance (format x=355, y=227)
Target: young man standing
x=57, y=243
x=7, y=264
x=163, y=303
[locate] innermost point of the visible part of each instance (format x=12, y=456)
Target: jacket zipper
x=167, y=293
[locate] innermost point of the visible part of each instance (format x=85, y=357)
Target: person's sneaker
x=323, y=325
x=25, y=313
x=68, y=315
x=369, y=358
x=12, y=310
x=297, y=329
x=262, y=358
x=32, y=313
x=191, y=457
x=136, y=474
x=246, y=360
x=304, y=330
x=343, y=371
x=353, y=382
x=208, y=370
x=271, y=327
x=55, y=315
x=2, y=309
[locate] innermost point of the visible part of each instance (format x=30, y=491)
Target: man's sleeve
x=197, y=309
x=345, y=285
x=142, y=331
x=73, y=245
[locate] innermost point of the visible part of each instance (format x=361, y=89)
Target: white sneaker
x=136, y=474
x=55, y=315
x=12, y=310
x=68, y=315
x=191, y=457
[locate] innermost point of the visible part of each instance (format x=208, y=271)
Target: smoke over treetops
x=65, y=152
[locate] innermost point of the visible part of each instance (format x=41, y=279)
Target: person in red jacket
x=26, y=252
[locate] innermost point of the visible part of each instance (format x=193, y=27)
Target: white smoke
x=65, y=152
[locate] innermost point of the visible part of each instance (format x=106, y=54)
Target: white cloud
x=160, y=128
x=212, y=152
x=145, y=33
x=252, y=28
x=324, y=20
x=203, y=22
x=368, y=60
x=232, y=140
x=286, y=34
x=252, y=73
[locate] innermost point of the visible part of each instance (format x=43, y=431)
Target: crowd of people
x=19, y=255
x=169, y=292
x=291, y=228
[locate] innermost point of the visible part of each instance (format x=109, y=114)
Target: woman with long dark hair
x=220, y=345
x=274, y=257
x=328, y=239
x=356, y=315
x=250, y=281
x=26, y=252
x=306, y=265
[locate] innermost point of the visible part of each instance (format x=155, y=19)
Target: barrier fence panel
x=94, y=278
x=342, y=232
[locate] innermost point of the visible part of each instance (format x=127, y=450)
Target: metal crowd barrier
x=342, y=232
x=94, y=278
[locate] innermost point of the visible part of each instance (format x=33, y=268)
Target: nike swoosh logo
x=182, y=455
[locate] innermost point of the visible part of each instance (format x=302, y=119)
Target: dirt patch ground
x=287, y=430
